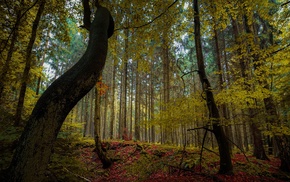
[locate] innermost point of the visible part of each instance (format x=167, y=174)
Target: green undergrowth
x=65, y=164
x=74, y=160
x=8, y=141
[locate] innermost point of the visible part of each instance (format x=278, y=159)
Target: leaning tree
x=33, y=152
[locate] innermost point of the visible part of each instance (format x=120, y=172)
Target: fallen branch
x=238, y=148
x=211, y=151
x=86, y=179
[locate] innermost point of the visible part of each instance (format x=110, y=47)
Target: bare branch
x=285, y=3
x=280, y=49
x=87, y=15
x=140, y=26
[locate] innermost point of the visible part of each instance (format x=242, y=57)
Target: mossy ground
x=74, y=159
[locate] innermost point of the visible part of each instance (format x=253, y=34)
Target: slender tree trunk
x=226, y=166
x=105, y=116
x=6, y=66
x=259, y=151
x=25, y=76
x=123, y=109
x=91, y=119
x=137, y=105
x=113, y=85
x=131, y=102
x=220, y=78
x=152, y=101
x=38, y=85
x=86, y=116
x=283, y=141
x=35, y=145
x=102, y=156
x=165, y=68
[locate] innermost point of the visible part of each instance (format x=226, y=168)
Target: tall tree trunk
x=259, y=150
x=105, y=115
x=38, y=84
x=283, y=141
x=86, y=116
x=6, y=66
x=152, y=101
x=137, y=105
x=165, y=68
x=243, y=74
x=25, y=76
x=123, y=105
x=131, y=101
x=220, y=78
x=33, y=152
x=226, y=166
x=98, y=148
x=112, y=108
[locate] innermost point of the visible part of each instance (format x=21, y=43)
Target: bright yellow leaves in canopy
x=181, y=111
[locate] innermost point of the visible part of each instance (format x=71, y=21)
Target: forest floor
x=74, y=160
x=135, y=161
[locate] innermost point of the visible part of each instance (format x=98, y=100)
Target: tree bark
x=97, y=132
x=112, y=106
x=259, y=150
x=166, y=86
x=220, y=78
x=123, y=130
x=6, y=66
x=137, y=105
x=33, y=153
x=226, y=166
x=27, y=67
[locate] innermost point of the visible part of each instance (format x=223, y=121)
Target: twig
x=180, y=168
x=281, y=48
x=202, y=146
x=140, y=26
x=285, y=3
x=203, y=127
x=211, y=151
x=184, y=74
x=238, y=148
x=77, y=175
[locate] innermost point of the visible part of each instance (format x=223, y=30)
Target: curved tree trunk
x=35, y=145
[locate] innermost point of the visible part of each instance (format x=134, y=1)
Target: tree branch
x=87, y=15
x=140, y=26
x=280, y=49
x=203, y=127
x=285, y=3
x=13, y=29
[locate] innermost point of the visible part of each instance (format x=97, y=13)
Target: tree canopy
x=172, y=72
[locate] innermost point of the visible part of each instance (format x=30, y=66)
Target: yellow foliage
x=181, y=111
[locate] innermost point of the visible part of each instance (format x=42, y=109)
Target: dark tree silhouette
x=33, y=153
x=226, y=166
